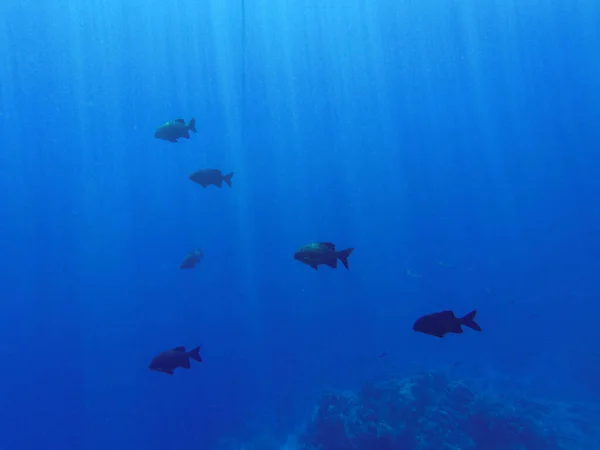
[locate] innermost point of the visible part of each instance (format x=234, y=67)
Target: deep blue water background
x=453, y=144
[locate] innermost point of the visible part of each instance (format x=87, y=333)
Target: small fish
x=412, y=274
x=175, y=129
x=206, y=177
x=440, y=323
x=319, y=253
x=192, y=259
x=170, y=360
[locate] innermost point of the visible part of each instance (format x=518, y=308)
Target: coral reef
x=431, y=411
x=436, y=412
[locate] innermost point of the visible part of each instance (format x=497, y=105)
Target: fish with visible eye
x=318, y=253
x=170, y=360
x=440, y=323
x=175, y=129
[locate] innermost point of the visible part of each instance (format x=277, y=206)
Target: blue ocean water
x=453, y=144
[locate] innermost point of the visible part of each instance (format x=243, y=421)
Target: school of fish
x=313, y=254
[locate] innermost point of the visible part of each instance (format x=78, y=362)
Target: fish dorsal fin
x=179, y=121
x=179, y=349
x=329, y=245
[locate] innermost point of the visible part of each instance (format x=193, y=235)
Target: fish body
x=440, y=323
x=318, y=253
x=192, y=259
x=175, y=129
x=206, y=177
x=170, y=360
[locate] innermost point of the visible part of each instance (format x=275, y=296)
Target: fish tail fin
x=195, y=354
x=192, y=125
x=343, y=256
x=469, y=321
x=227, y=178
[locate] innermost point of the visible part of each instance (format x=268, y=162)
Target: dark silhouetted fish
x=440, y=323
x=206, y=177
x=319, y=253
x=170, y=360
x=192, y=259
x=175, y=129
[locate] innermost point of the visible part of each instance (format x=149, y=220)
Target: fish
x=318, y=253
x=440, y=323
x=192, y=259
x=170, y=360
x=175, y=129
x=206, y=177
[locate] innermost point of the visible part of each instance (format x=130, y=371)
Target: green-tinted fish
x=175, y=129
x=319, y=253
x=206, y=177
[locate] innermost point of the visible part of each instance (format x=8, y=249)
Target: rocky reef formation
x=431, y=411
